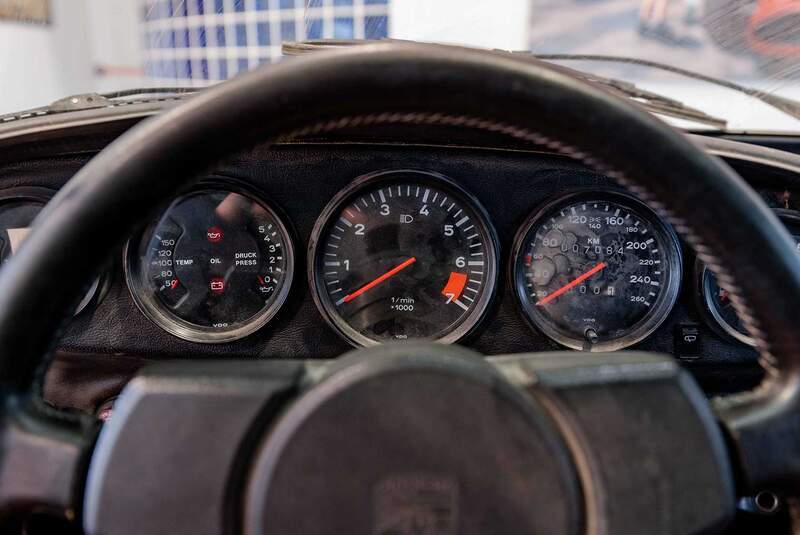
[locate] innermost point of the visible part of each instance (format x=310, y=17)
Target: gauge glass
x=18, y=209
x=216, y=266
x=716, y=299
x=403, y=255
x=597, y=271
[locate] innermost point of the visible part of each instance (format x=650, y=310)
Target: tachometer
x=403, y=255
x=597, y=271
x=216, y=266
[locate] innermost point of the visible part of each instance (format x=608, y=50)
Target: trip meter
x=403, y=255
x=215, y=266
x=597, y=271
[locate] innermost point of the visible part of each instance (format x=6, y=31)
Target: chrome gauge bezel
x=171, y=323
x=707, y=304
x=98, y=287
x=370, y=180
x=659, y=311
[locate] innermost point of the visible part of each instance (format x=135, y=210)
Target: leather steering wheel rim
x=426, y=85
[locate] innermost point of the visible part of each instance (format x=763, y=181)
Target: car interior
x=388, y=288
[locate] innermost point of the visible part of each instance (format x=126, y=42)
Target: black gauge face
x=215, y=267
x=717, y=300
x=403, y=255
x=597, y=272
x=16, y=216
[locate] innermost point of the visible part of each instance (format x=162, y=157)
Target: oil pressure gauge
x=216, y=265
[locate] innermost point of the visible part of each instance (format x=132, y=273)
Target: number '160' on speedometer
x=597, y=271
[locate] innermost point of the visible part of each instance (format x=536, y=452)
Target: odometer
x=597, y=271
x=214, y=267
x=403, y=255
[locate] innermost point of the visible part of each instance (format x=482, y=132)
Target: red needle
x=392, y=272
x=571, y=285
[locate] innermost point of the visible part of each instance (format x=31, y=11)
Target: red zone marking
x=455, y=285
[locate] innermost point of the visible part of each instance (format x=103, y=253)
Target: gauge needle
x=571, y=284
x=392, y=272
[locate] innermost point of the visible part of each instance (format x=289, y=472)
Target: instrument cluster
x=407, y=254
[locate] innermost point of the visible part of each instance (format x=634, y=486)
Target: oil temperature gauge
x=215, y=267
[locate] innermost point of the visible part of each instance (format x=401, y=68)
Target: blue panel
x=184, y=38
x=238, y=5
x=179, y=8
x=374, y=2
x=241, y=35
x=262, y=29
x=376, y=27
x=220, y=35
x=219, y=6
x=222, y=65
x=343, y=2
x=241, y=65
x=313, y=3
x=200, y=34
x=287, y=4
x=343, y=28
x=314, y=29
x=200, y=10
x=262, y=5
x=184, y=69
x=204, y=68
x=287, y=30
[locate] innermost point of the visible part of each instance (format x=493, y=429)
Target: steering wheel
x=410, y=438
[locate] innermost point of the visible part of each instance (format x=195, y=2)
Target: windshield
x=55, y=48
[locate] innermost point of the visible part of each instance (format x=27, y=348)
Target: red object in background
x=217, y=285
x=774, y=28
x=214, y=234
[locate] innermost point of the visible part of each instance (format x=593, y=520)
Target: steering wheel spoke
x=42, y=460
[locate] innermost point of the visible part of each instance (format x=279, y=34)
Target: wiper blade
x=653, y=102
x=786, y=105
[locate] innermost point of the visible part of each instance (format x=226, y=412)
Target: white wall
x=39, y=64
x=483, y=23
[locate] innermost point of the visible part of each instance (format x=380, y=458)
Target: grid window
x=343, y=28
x=241, y=35
x=376, y=27
x=262, y=33
x=314, y=29
x=287, y=30
x=211, y=40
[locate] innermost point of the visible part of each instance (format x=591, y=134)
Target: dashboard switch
x=688, y=341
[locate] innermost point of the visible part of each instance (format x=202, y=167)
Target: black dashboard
x=300, y=186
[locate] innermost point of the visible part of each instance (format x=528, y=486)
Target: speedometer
x=403, y=255
x=597, y=271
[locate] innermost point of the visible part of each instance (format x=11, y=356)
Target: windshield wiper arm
x=653, y=102
x=786, y=105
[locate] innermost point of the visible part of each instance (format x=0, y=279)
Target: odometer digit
x=597, y=271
